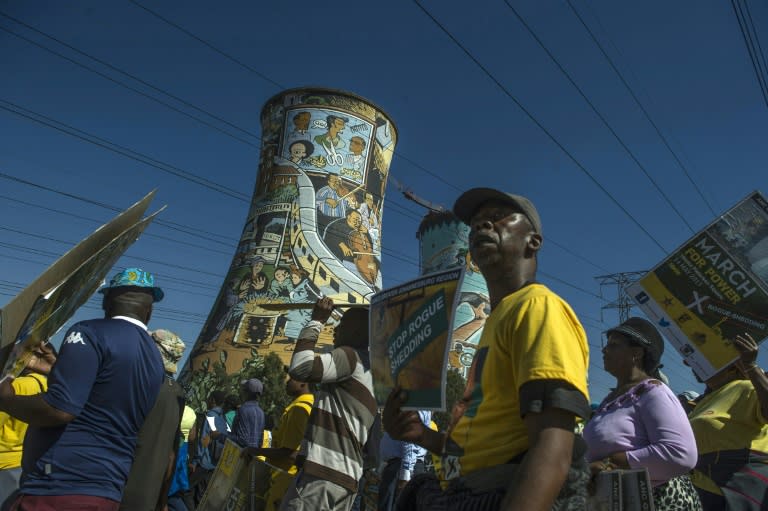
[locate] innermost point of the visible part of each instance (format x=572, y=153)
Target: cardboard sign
x=40, y=309
x=16, y=311
x=237, y=483
x=54, y=307
x=410, y=334
x=713, y=288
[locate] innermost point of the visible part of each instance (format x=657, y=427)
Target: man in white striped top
x=343, y=414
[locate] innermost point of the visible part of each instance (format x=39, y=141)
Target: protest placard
x=16, y=311
x=227, y=488
x=55, y=306
x=713, y=288
x=410, y=333
x=42, y=308
x=238, y=483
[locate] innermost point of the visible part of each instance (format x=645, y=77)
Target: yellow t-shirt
x=531, y=335
x=12, y=430
x=436, y=460
x=293, y=424
x=727, y=419
x=288, y=433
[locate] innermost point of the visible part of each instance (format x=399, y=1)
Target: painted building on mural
x=444, y=243
x=313, y=229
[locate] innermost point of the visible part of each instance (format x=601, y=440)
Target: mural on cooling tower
x=444, y=243
x=314, y=227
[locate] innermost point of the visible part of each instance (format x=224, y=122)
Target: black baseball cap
x=469, y=201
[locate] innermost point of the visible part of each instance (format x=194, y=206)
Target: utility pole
x=623, y=301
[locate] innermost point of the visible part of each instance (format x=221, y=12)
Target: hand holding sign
x=747, y=348
x=322, y=310
x=401, y=425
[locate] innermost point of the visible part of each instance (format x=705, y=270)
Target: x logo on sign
x=697, y=301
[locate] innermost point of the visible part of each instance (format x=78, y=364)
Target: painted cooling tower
x=444, y=244
x=313, y=229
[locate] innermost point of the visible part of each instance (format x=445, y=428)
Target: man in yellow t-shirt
x=512, y=442
x=286, y=440
x=731, y=430
x=32, y=381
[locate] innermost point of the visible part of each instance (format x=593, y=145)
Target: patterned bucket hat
x=134, y=277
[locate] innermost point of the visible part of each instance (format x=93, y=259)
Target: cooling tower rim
x=329, y=90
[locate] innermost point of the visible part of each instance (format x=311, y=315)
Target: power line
x=100, y=222
x=392, y=253
x=746, y=34
x=642, y=108
x=147, y=84
x=189, y=230
x=179, y=172
x=111, y=146
x=130, y=153
x=132, y=76
x=209, y=45
x=599, y=115
x=757, y=42
x=540, y=125
x=397, y=208
x=396, y=254
x=37, y=251
x=270, y=80
x=199, y=271
x=193, y=231
x=557, y=279
x=121, y=84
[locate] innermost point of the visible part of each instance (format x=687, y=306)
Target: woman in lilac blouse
x=641, y=424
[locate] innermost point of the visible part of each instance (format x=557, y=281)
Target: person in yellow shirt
x=511, y=444
x=730, y=423
x=286, y=440
x=437, y=466
x=33, y=380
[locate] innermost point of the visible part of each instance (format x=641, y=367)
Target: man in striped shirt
x=344, y=410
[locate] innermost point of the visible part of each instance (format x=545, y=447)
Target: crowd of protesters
x=103, y=425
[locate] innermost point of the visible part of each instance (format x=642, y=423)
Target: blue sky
x=602, y=211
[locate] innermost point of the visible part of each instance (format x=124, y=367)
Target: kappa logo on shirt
x=74, y=338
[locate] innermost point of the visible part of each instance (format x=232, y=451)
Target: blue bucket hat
x=134, y=277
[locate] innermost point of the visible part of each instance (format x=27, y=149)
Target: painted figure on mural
x=460, y=357
x=304, y=291
x=349, y=241
x=218, y=321
x=328, y=199
x=300, y=150
x=254, y=279
x=480, y=306
x=330, y=203
x=301, y=123
x=316, y=145
x=370, y=218
x=464, y=258
x=355, y=160
x=281, y=286
x=331, y=140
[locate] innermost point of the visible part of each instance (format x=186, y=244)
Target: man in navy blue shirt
x=248, y=428
x=82, y=431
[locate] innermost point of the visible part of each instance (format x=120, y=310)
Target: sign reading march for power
x=713, y=288
x=410, y=333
